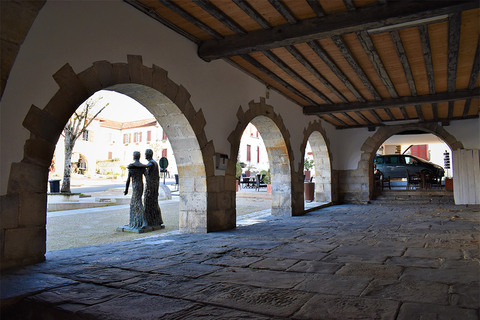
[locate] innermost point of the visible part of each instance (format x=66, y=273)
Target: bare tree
x=76, y=126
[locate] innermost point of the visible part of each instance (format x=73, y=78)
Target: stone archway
x=315, y=135
x=372, y=144
x=25, y=203
x=277, y=143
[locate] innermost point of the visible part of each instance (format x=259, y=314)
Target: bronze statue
x=136, y=171
x=153, y=215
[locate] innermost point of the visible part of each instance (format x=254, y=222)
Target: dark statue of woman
x=136, y=171
x=153, y=215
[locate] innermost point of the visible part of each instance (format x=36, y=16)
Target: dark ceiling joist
x=248, y=9
x=153, y=14
x=347, y=54
x=427, y=56
x=283, y=10
x=335, y=69
x=295, y=75
x=404, y=60
x=422, y=121
x=349, y=5
x=220, y=16
x=294, y=52
x=187, y=16
x=377, y=63
x=375, y=115
x=453, y=45
x=327, y=26
x=418, y=108
x=276, y=78
x=316, y=7
x=390, y=103
x=473, y=77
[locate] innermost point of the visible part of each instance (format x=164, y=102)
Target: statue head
x=136, y=155
x=149, y=154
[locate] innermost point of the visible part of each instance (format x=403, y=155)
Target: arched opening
x=279, y=163
x=46, y=124
x=253, y=167
x=372, y=144
x=118, y=125
x=413, y=160
x=187, y=151
x=321, y=174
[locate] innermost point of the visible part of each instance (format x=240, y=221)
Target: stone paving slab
x=328, y=284
x=266, y=301
x=410, y=311
x=341, y=262
x=340, y=308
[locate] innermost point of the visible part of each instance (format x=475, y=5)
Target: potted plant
x=307, y=164
x=309, y=187
x=268, y=181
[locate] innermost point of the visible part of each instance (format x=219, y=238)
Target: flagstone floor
x=340, y=262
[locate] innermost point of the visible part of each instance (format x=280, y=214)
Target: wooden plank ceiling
x=354, y=63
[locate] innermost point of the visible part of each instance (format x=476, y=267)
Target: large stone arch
x=316, y=136
x=24, y=205
x=371, y=145
x=277, y=142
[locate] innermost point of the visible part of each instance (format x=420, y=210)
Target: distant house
x=107, y=147
x=252, y=150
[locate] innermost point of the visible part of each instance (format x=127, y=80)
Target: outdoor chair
x=413, y=181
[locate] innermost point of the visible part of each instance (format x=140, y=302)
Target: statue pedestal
x=139, y=230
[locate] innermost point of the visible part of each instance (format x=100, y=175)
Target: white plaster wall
x=82, y=32
x=466, y=131
x=345, y=147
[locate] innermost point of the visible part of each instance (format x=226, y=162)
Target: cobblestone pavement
x=340, y=262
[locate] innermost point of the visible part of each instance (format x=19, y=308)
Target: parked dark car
x=396, y=166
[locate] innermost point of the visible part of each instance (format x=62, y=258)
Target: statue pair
x=146, y=214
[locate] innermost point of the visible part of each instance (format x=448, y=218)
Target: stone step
x=414, y=196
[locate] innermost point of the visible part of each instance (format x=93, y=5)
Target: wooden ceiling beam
x=427, y=56
x=252, y=13
x=362, y=19
x=153, y=14
x=389, y=103
x=283, y=10
x=422, y=121
x=294, y=52
x=349, y=5
x=377, y=63
x=220, y=16
x=418, y=108
x=295, y=75
x=336, y=70
x=347, y=54
x=453, y=46
x=404, y=60
x=375, y=115
x=473, y=77
x=187, y=16
x=316, y=7
x=276, y=78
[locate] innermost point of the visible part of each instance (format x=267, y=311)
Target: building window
x=164, y=136
x=258, y=153
x=149, y=136
x=110, y=155
x=249, y=152
x=126, y=138
x=85, y=135
x=137, y=137
x=164, y=153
